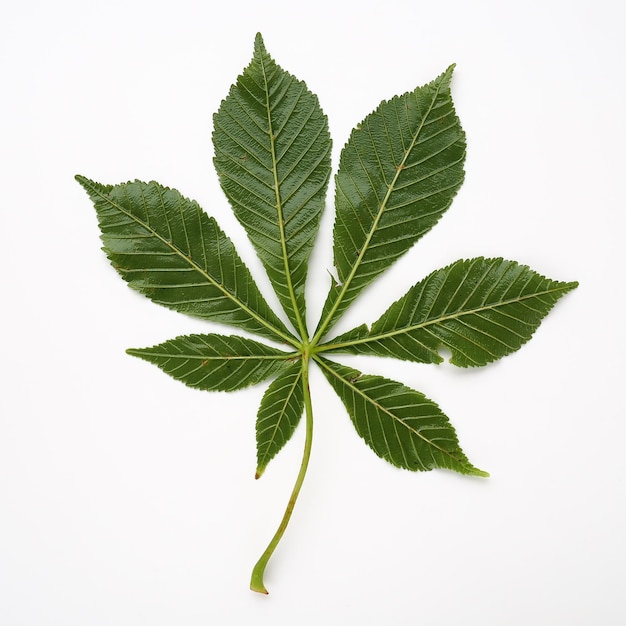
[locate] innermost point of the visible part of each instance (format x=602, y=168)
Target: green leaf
x=280, y=411
x=399, y=424
x=215, y=362
x=480, y=309
x=169, y=249
x=397, y=175
x=272, y=153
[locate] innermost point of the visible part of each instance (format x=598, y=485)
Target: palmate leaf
x=279, y=414
x=399, y=424
x=169, y=249
x=397, y=175
x=216, y=362
x=480, y=309
x=272, y=154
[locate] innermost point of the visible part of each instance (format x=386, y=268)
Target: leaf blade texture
x=397, y=175
x=480, y=309
x=279, y=414
x=166, y=247
x=272, y=154
x=399, y=424
x=215, y=362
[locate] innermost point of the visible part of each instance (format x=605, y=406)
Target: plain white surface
x=128, y=499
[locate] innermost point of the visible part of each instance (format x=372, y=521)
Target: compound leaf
x=280, y=411
x=272, y=154
x=169, y=249
x=397, y=175
x=215, y=362
x=480, y=309
x=399, y=424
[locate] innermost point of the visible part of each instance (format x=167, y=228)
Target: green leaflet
x=480, y=309
x=397, y=175
x=399, y=424
x=215, y=362
x=280, y=411
x=169, y=249
x=272, y=154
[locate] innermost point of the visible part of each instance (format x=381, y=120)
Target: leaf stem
x=256, y=581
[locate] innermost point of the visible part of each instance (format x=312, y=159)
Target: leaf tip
x=444, y=79
x=83, y=181
x=259, y=44
x=259, y=473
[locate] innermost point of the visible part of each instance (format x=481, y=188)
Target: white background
x=129, y=499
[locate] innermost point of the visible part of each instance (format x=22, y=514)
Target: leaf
x=272, y=153
x=480, y=309
x=397, y=175
x=215, y=362
x=279, y=414
x=166, y=247
x=399, y=424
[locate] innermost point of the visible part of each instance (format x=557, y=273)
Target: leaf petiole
x=256, y=581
